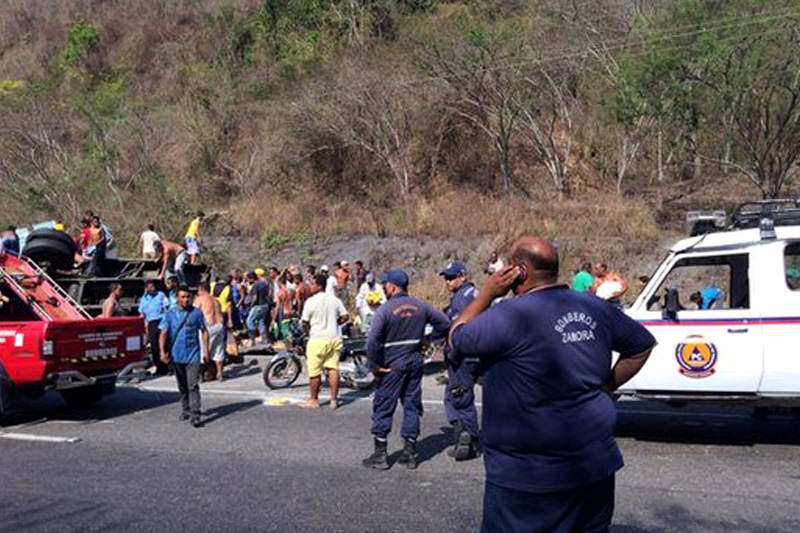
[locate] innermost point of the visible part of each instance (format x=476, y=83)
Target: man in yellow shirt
x=192, y=238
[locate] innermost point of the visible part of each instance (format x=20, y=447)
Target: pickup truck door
x=712, y=346
x=779, y=281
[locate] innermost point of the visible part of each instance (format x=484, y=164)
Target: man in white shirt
x=495, y=264
x=321, y=317
x=147, y=242
x=330, y=280
x=370, y=296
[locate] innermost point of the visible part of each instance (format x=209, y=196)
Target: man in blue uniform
x=459, y=394
x=548, y=416
x=393, y=349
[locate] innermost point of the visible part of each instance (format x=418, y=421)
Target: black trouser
x=98, y=259
x=188, y=378
x=586, y=509
x=155, y=352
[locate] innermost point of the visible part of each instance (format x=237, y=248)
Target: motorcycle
x=285, y=366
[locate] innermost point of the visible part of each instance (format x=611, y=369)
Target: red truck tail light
x=48, y=348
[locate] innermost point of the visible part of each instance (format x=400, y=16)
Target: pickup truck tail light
x=48, y=348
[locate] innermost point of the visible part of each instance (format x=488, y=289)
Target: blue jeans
x=257, y=318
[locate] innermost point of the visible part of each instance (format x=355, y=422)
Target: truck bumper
x=71, y=379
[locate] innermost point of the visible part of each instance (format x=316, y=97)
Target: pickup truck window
x=791, y=265
x=706, y=283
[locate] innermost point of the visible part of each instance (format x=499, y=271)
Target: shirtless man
x=212, y=310
x=111, y=305
x=284, y=312
x=301, y=294
x=342, y=275
x=97, y=245
x=172, y=255
x=608, y=285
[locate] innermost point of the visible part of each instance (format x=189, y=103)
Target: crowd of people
x=541, y=350
x=548, y=416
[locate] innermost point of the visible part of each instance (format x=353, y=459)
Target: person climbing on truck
x=192, y=237
x=173, y=257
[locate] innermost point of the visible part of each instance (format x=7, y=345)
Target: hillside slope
x=452, y=121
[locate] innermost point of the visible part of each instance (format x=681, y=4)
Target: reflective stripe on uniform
x=402, y=343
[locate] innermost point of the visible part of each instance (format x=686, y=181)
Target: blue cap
x=454, y=269
x=395, y=277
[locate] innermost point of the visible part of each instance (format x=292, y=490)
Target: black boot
x=409, y=456
x=457, y=430
x=465, y=447
x=468, y=448
x=378, y=460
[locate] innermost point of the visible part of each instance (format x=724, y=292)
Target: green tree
x=727, y=73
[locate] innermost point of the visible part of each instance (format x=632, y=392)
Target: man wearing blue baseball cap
x=459, y=394
x=393, y=349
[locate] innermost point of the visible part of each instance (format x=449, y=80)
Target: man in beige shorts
x=322, y=315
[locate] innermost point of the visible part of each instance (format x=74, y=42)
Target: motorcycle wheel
x=430, y=352
x=282, y=373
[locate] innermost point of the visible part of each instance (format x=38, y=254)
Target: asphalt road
x=263, y=464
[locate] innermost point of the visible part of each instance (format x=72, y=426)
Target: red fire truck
x=49, y=342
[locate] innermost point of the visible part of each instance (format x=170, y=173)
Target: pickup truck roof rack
x=782, y=212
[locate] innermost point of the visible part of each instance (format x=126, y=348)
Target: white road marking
x=228, y=392
x=39, y=438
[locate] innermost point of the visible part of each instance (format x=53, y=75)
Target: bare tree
x=483, y=73
x=35, y=164
x=370, y=113
x=546, y=120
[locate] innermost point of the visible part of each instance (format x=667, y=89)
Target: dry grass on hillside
x=620, y=231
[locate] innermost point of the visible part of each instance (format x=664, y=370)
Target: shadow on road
x=353, y=395
x=675, y=517
x=729, y=426
x=221, y=411
x=429, y=447
x=241, y=371
x=125, y=400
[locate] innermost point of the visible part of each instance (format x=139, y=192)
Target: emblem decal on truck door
x=696, y=357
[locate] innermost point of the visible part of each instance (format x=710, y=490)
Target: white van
x=725, y=310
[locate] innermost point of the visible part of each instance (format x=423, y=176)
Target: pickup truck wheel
x=82, y=397
x=5, y=394
x=6, y=387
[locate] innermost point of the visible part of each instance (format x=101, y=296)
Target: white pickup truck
x=725, y=310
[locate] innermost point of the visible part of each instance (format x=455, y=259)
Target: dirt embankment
x=422, y=258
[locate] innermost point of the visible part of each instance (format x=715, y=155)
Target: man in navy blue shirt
x=459, y=394
x=548, y=416
x=183, y=328
x=393, y=349
x=152, y=306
